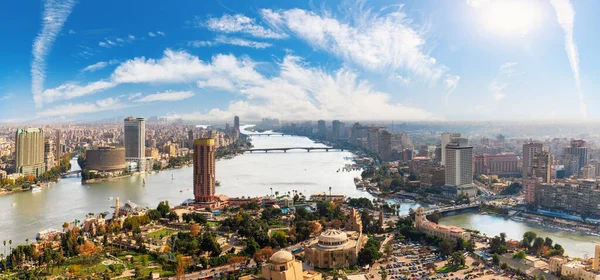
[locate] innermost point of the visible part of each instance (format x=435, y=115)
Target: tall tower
x=459, y=163
x=29, y=151
x=322, y=129
x=58, y=153
x=541, y=165
x=135, y=141
x=204, y=170
x=335, y=129
x=236, y=127
x=446, y=139
x=529, y=150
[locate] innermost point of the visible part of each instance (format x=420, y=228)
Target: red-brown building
x=204, y=170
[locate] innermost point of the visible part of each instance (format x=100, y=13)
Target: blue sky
x=350, y=60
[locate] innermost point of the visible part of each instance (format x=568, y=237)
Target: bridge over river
x=308, y=149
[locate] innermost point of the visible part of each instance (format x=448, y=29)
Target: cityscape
x=299, y=141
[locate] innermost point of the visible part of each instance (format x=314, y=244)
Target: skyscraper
x=322, y=129
x=459, y=163
x=236, y=127
x=335, y=129
x=579, y=152
x=236, y=123
x=385, y=145
x=446, y=139
x=135, y=142
x=29, y=151
x=58, y=152
x=529, y=150
x=542, y=165
x=204, y=170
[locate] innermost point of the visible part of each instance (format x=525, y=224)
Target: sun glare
x=511, y=17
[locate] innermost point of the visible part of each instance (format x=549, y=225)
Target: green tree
x=495, y=259
x=446, y=247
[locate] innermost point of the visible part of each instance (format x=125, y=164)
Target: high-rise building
x=135, y=142
x=542, y=165
x=29, y=151
x=236, y=123
x=385, y=145
x=322, y=129
x=529, y=150
x=49, y=161
x=578, y=150
x=236, y=127
x=335, y=129
x=58, y=151
x=459, y=163
x=479, y=165
x=204, y=170
x=446, y=139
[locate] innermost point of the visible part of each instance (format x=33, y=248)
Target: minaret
x=117, y=208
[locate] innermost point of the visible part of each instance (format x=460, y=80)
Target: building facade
x=29, y=152
x=529, y=150
x=437, y=230
x=542, y=166
x=582, y=196
x=105, y=159
x=446, y=139
x=135, y=142
x=283, y=266
x=459, y=163
x=204, y=170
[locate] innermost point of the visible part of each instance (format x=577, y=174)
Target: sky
x=67, y=60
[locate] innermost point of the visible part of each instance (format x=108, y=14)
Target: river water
x=22, y=215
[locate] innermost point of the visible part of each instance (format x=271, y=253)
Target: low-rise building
x=437, y=230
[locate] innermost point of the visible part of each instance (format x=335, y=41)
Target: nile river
x=22, y=215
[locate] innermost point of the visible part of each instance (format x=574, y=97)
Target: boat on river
x=35, y=189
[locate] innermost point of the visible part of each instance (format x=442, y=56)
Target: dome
x=281, y=257
x=333, y=238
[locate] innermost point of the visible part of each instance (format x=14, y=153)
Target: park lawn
x=161, y=233
x=286, y=231
x=85, y=267
x=448, y=269
x=212, y=223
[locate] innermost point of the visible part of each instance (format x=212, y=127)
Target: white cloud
x=166, y=96
x=83, y=108
x=241, y=24
x=94, y=67
x=296, y=92
x=71, y=31
x=500, y=82
x=72, y=90
x=301, y=92
x=103, y=44
x=54, y=17
x=224, y=40
x=381, y=42
x=134, y=96
x=7, y=96
x=99, y=65
x=131, y=37
x=565, y=15
x=160, y=33
x=151, y=34
x=451, y=82
x=478, y=3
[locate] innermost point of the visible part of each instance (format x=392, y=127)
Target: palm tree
x=27, y=241
x=10, y=245
x=329, y=192
x=4, y=242
x=271, y=191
